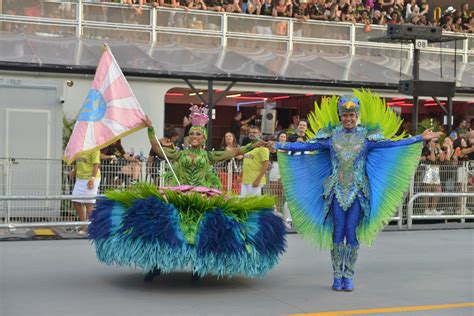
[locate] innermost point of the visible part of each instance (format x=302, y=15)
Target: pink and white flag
x=110, y=111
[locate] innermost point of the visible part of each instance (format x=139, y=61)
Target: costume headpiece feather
x=199, y=115
x=348, y=104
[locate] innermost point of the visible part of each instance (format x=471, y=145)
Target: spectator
x=424, y=8
x=215, y=5
x=229, y=142
x=339, y=9
x=87, y=176
x=138, y=10
x=465, y=14
x=187, y=126
x=462, y=152
x=283, y=8
x=461, y=148
x=379, y=17
x=364, y=18
x=300, y=11
x=300, y=132
x=119, y=167
x=234, y=7
x=457, y=25
x=462, y=128
x=275, y=180
x=399, y=7
x=264, y=7
x=432, y=155
x=168, y=140
x=448, y=24
x=449, y=12
x=255, y=166
x=348, y=15
x=471, y=125
x=250, y=9
x=469, y=27
x=395, y=18
x=409, y=9
x=238, y=124
x=316, y=10
x=167, y=3
x=382, y=6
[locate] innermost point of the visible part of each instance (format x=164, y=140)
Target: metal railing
x=9, y=225
x=118, y=22
x=39, y=198
x=462, y=215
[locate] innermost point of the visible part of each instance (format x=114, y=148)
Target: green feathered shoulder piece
x=379, y=120
x=324, y=118
x=377, y=117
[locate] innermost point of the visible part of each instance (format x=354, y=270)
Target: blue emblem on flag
x=94, y=107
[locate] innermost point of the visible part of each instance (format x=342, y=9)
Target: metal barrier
x=9, y=225
x=47, y=202
x=441, y=177
x=410, y=215
x=83, y=19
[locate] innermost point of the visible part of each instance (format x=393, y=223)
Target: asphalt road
x=402, y=270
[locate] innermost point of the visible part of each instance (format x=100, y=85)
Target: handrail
x=223, y=29
x=13, y=226
x=410, y=215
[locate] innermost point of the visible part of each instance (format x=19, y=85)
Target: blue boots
x=337, y=258
x=337, y=284
x=350, y=258
x=347, y=284
x=343, y=259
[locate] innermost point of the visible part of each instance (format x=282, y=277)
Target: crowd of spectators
x=368, y=12
x=442, y=164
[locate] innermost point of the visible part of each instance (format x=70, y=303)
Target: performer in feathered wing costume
x=358, y=176
x=193, y=224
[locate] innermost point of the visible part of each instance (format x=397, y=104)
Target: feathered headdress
x=199, y=115
x=348, y=104
x=374, y=114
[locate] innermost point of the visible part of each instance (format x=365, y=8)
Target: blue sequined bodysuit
x=348, y=149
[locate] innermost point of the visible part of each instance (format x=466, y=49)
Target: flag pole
x=166, y=158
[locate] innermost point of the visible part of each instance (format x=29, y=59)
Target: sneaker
x=429, y=211
x=468, y=211
x=82, y=232
x=436, y=212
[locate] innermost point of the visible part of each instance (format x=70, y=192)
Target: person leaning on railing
x=118, y=165
x=153, y=162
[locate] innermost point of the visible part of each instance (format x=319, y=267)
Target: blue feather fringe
x=152, y=219
x=266, y=242
x=220, y=248
x=106, y=219
x=147, y=235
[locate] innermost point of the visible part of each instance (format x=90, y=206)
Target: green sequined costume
x=194, y=166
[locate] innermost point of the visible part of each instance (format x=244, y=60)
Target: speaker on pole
x=268, y=121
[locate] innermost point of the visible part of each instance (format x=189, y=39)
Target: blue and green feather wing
x=389, y=171
x=302, y=178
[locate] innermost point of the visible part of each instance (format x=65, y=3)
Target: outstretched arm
x=172, y=154
x=393, y=143
x=320, y=144
x=427, y=135
x=215, y=156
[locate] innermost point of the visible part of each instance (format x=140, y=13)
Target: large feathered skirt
x=182, y=227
